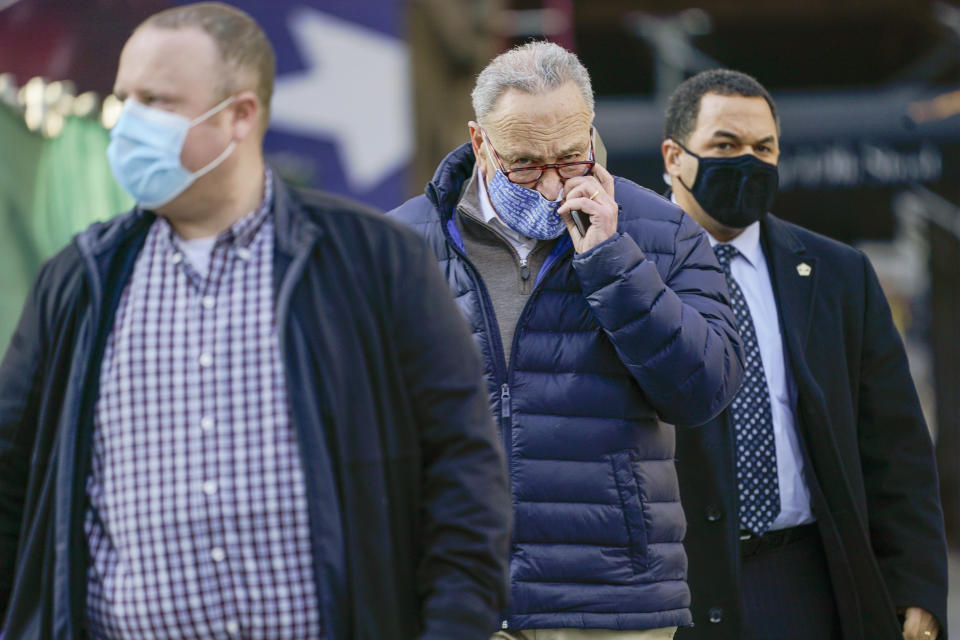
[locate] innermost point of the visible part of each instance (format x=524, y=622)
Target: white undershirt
x=197, y=252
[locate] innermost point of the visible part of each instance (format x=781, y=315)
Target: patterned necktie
x=757, y=481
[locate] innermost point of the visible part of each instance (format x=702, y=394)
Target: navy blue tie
x=757, y=482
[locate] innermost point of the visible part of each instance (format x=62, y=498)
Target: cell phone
x=581, y=220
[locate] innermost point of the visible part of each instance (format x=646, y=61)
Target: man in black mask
x=812, y=502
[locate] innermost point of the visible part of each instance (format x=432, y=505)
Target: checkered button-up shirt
x=197, y=521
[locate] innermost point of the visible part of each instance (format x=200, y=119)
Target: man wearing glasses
x=601, y=313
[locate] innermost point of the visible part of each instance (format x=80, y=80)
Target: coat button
x=716, y=614
x=714, y=513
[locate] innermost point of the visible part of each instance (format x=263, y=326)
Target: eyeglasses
x=526, y=175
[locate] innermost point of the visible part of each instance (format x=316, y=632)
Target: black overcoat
x=874, y=480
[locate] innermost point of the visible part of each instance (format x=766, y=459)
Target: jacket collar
x=293, y=227
x=445, y=188
x=122, y=237
x=295, y=230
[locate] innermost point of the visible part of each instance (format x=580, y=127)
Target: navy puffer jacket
x=635, y=329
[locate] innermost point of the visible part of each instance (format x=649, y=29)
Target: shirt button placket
x=208, y=389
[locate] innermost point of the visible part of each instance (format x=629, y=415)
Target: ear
x=671, y=157
x=479, y=151
x=246, y=114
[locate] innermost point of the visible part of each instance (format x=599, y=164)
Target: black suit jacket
x=874, y=481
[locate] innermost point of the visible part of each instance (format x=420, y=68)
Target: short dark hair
x=243, y=46
x=684, y=104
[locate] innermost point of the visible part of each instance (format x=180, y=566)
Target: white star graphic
x=355, y=91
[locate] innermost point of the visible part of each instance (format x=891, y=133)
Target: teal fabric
x=50, y=189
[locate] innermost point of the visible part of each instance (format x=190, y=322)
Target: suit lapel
x=794, y=275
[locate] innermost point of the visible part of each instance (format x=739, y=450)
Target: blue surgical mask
x=525, y=210
x=144, y=152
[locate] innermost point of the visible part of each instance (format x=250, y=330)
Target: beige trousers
x=586, y=634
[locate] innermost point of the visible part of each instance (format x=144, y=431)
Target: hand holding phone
x=590, y=207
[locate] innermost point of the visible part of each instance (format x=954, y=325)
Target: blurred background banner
x=371, y=94
x=342, y=115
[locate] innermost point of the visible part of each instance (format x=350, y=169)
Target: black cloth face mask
x=736, y=192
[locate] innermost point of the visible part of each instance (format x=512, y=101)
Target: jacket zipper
x=506, y=410
x=496, y=341
x=505, y=403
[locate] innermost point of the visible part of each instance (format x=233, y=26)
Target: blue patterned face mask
x=144, y=152
x=525, y=210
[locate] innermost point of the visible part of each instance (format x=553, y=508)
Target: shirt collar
x=243, y=231
x=486, y=208
x=747, y=243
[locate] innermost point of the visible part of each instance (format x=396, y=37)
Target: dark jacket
x=874, y=479
x=407, y=497
x=633, y=330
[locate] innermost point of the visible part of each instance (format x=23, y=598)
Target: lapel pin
x=804, y=269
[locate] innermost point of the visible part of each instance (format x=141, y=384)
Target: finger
x=916, y=622
x=921, y=622
x=588, y=190
x=581, y=204
x=584, y=186
x=911, y=625
x=605, y=178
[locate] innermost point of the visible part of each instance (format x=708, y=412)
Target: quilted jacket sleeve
x=676, y=334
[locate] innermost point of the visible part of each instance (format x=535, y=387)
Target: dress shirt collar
x=747, y=243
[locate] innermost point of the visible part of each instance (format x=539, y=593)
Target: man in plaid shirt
x=240, y=411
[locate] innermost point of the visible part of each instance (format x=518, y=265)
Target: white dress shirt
x=750, y=271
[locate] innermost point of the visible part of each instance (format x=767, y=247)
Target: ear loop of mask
x=212, y=111
x=213, y=164
x=692, y=155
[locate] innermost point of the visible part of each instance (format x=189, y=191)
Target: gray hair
x=534, y=67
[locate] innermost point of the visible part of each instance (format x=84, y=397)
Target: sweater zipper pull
x=524, y=269
x=505, y=401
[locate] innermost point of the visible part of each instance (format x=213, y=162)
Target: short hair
x=534, y=67
x=243, y=46
x=683, y=107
